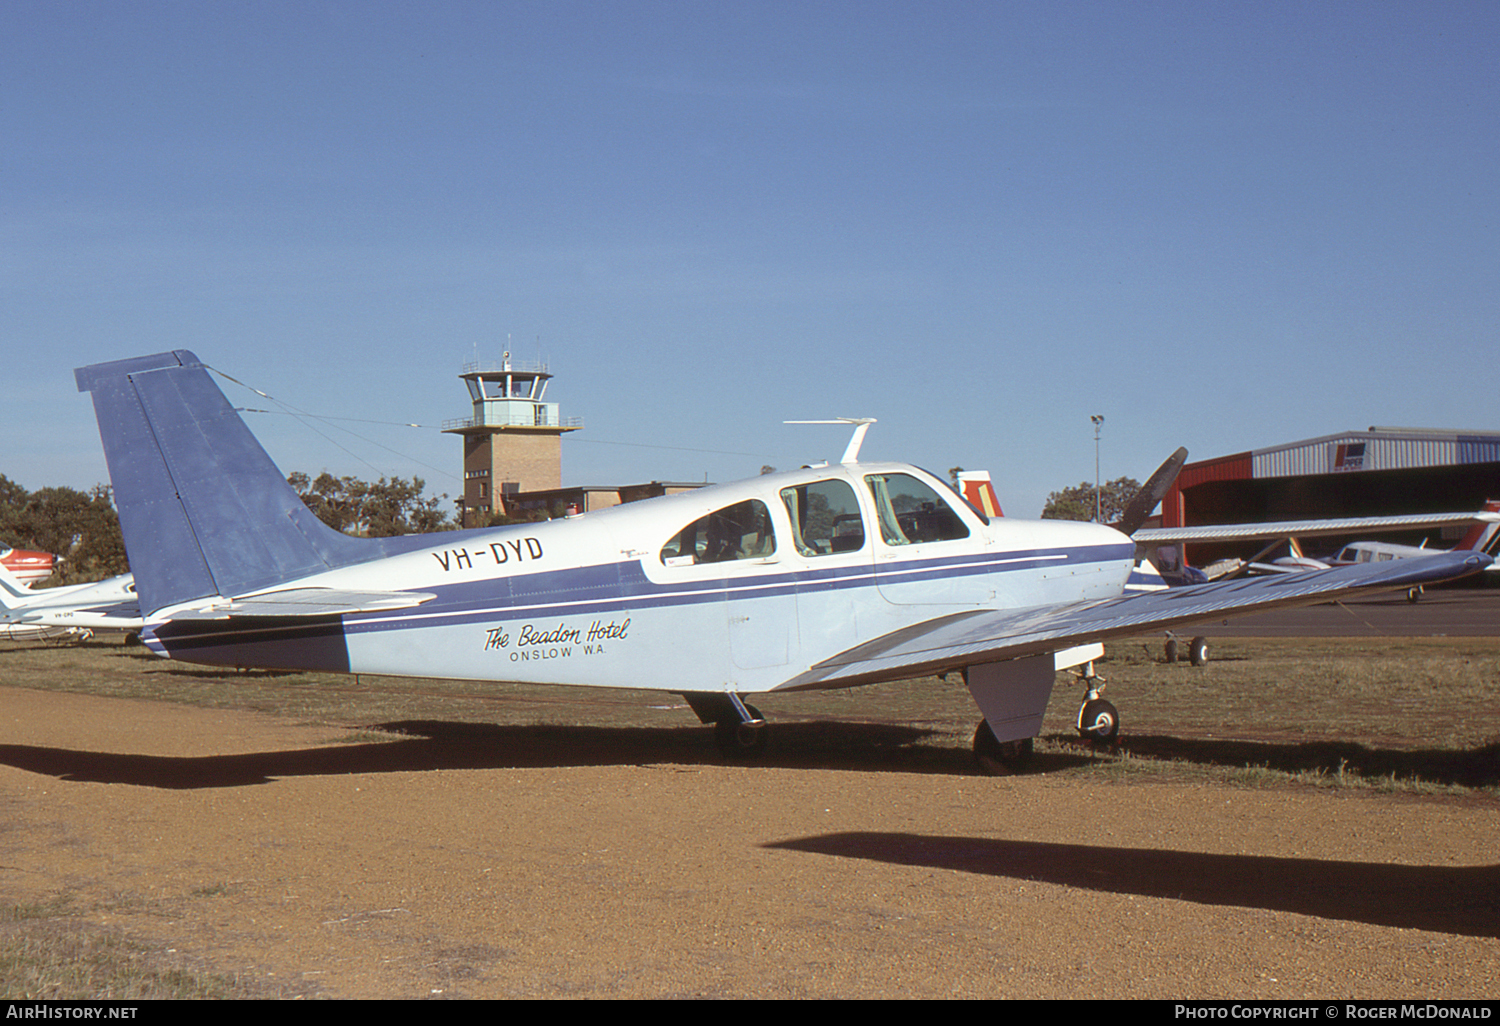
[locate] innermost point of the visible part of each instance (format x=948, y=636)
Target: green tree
x=390, y=506
x=1078, y=503
x=82, y=527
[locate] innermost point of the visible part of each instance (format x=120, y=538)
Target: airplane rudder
x=10, y=585
x=208, y=511
x=159, y=539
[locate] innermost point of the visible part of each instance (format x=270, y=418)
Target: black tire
x=1000, y=758
x=1171, y=650
x=1099, y=721
x=741, y=741
x=1198, y=653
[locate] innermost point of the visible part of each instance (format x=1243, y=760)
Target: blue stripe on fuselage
x=614, y=585
x=587, y=590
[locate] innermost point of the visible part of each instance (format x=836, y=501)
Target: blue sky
x=1219, y=225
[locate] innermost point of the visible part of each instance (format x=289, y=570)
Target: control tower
x=513, y=442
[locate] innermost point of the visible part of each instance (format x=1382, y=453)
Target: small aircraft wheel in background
x=1099, y=720
x=1171, y=650
x=1000, y=758
x=736, y=740
x=1413, y=594
x=1198, y=653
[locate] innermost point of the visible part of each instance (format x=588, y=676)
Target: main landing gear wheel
x=742, y=739
x=1198, y=652
x=1000, y=758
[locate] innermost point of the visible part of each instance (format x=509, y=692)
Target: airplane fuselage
x=737, y=587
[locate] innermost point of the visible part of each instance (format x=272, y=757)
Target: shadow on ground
x=1461, y=900
x=436, y=745
x=417, y=745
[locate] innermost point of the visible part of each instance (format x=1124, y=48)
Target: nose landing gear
x=1098, y=719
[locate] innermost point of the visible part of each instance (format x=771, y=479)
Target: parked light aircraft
x=829, y=576
x=73, y=609
x=1484, y=537
x=1481, y=537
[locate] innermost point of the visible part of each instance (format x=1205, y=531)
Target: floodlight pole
x=1098, y=419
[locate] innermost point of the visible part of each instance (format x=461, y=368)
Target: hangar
x=1377, y=472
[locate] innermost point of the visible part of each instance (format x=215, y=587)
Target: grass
x=66, y=963
x=47, y=954
x=1392, y=714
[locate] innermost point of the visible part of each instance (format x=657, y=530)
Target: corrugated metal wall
x=1374, y=450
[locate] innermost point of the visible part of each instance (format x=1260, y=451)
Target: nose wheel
x=1098, y=719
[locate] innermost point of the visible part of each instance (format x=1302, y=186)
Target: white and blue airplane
x=69, y=611
x=830, y=576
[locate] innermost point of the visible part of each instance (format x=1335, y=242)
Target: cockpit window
x=910, y=511
x=825, y=518
x=741, y=531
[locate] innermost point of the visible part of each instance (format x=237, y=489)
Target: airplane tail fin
x=11, y=587
x=980, y=493
x=203, y=510
x=1483, y=534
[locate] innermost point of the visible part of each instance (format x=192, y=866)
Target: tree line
x=80, y=526
x=84, y=529
x=1077, y=503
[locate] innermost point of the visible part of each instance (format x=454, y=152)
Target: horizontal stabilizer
x=965, y=639
x=307, y=602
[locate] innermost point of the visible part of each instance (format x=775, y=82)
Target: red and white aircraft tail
x=976, y=487
x=1482, y=535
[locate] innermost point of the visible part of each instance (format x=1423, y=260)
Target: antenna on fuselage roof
x=861, y=428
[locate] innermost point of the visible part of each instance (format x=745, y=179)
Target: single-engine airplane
x=75, y=610
x=1482, y=536
x=826, y=577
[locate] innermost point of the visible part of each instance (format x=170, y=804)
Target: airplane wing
x=965, y=639
x=1307, y=528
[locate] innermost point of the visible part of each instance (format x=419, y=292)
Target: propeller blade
x=1151, y=493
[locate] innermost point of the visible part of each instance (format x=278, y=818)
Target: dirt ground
x=447, y=867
